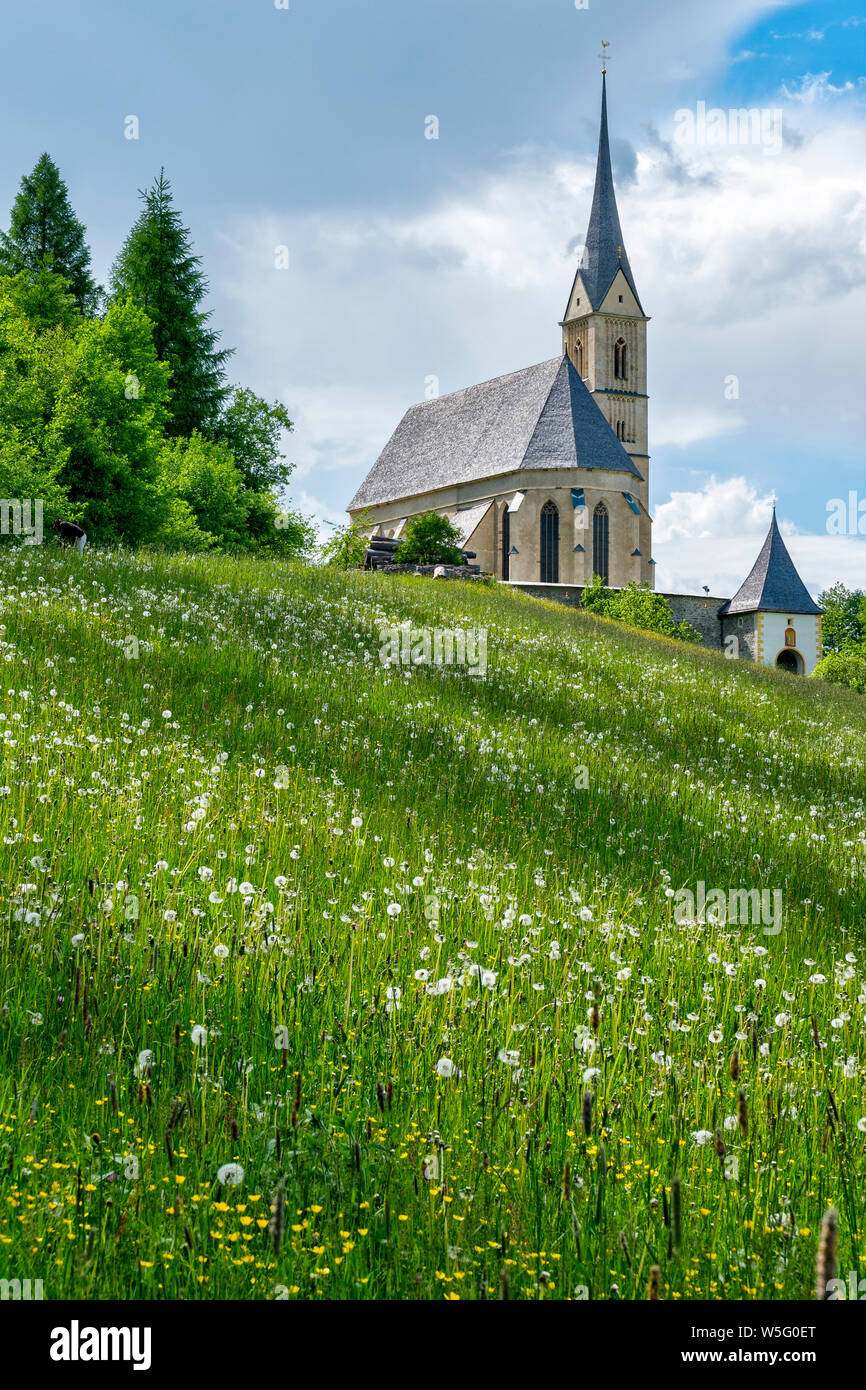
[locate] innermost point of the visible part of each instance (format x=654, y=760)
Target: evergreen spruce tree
x=157, y=268
x=45, y=235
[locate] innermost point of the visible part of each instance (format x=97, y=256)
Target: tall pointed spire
x=604, y=251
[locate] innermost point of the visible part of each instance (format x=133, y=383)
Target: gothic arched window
x=600, y=541
x=620, y=429
x=620, y=359
x=506, y=541
x=549, y=544
x=578, y=357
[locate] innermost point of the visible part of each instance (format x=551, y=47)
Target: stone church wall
x=628, y=532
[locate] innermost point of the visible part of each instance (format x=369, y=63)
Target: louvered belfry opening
x=601, y=542
x=549, y=544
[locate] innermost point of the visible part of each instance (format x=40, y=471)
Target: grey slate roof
x=540, y=417
x=601, y=258
x=774, y=586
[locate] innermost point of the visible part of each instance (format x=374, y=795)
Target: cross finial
x=603, y=56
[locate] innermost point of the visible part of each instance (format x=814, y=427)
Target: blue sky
x=453, y=258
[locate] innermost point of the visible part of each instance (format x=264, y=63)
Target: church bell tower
x=604, y=328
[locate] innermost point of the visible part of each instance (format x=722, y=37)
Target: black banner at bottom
x=59, y=1339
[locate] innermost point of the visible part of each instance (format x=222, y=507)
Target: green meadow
x=326, y=979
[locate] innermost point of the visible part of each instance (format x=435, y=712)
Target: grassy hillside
x=363, y=934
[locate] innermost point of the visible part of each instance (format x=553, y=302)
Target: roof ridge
x=564, y=358
x=575, y=377
x=476, y=385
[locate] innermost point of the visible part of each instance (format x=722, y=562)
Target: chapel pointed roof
x=773, y=586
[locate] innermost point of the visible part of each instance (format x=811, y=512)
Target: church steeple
x=604, y=251
x=604, y=334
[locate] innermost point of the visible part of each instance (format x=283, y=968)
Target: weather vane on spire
x=604, y=57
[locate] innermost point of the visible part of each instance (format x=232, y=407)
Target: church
x=545, y=471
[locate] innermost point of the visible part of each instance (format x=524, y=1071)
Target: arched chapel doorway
x=791, y=661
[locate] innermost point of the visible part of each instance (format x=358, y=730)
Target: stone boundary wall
x=698, y=609
x=701, y=610
x=435, y=571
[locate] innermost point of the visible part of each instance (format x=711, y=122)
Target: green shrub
x=638, y=607
x=277, y=529
x=596, y=597
x=843, y=626
x=843, y=668
x=204, y=475
x=431, y=539
x=346, y=547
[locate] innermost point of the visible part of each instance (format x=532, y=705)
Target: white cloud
x=682, y=427
x=812, y=35
x=752, y=266
x=718, y=510
x=713, y=536
x=813, y=87
x=723, y=563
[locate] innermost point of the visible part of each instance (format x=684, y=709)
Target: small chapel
x=772, y=618
x=545, y=471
